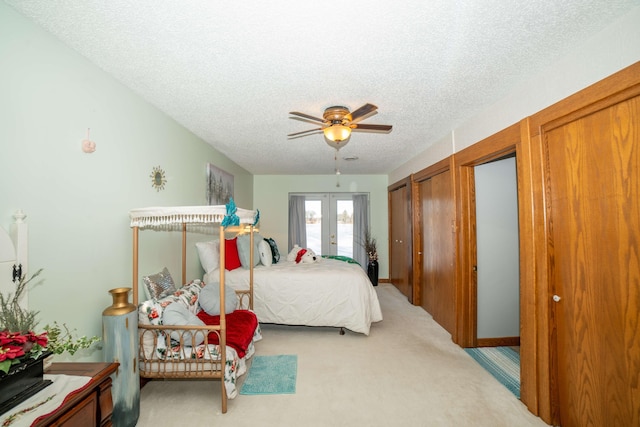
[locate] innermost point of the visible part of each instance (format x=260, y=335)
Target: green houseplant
x=370, y=246
x=19, y=342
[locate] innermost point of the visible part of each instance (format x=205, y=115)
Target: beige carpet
x=407, y=372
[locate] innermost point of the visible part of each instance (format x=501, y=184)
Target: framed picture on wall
x=219, y=186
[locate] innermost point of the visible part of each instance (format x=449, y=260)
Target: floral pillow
x=151, y=312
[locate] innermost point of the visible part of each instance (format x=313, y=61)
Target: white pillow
x=209, y=254
x=209, y=299
x=266, y=257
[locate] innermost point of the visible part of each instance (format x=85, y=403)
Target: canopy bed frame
x=171, y=351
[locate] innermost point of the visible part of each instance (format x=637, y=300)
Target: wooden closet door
x=594, y=184
x=438, y=249
x=427, y=294
x=400, y=239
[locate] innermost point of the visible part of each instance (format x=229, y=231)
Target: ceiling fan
x=338, y=122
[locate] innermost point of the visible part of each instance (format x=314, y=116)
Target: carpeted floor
x=406, y=372
x=501, y=362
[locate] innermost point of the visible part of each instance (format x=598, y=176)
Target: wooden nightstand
x=90, y=407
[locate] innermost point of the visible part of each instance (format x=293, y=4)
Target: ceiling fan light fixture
x=337, y=133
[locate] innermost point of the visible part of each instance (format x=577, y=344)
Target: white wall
x=271, y=197
x=498, y=295
x=607, y=52
x=77, y=204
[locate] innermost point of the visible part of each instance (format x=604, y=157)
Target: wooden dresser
x=90, y=407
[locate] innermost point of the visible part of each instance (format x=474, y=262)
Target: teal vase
x=120, y=344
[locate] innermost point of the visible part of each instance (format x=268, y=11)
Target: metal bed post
x=184, y=254
x=223, y=320
x=135, y=265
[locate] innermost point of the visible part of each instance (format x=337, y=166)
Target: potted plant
x=23, y=351
x=370, y=247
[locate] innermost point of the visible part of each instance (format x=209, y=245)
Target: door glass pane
x=344, y=217
x=313, y=216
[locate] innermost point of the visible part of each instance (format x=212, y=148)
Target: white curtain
x=297, y=222
x=360, y=226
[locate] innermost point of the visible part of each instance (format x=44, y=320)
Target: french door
x=329, y=223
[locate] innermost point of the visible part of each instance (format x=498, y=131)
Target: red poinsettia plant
x=17, y=347
x=18, y=342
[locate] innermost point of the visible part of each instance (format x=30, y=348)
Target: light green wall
x=271, y=197
x=77, y=204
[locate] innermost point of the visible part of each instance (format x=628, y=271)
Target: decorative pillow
x=274, y=250
x=188, y=294
x=231, y=258
x=179, y=315
x=209, y=254
x=210, y=299
x=159, y=285
x=151, y=312
x=244, y=241
x=266, y=257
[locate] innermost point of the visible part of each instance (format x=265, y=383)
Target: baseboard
x=498, y=342
x=384, y=281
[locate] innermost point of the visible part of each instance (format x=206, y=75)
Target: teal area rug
x=271, y=375
x=501, y=362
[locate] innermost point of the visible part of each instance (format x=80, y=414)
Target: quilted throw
x=241, y=325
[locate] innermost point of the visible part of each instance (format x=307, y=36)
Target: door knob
x=556, y=298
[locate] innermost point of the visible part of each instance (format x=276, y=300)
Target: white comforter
x=327, y=293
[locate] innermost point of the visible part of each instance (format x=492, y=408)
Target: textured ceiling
x=231, y=71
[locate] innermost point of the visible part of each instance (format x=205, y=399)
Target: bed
x=330, y=292
x=180, y=346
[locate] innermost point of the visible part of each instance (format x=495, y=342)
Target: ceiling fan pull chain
x=337, y=169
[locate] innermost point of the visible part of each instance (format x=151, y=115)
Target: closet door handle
x=557, y=298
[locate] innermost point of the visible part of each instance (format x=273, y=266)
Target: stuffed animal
x=294, y=253
x=302, y=256
x=306, y=256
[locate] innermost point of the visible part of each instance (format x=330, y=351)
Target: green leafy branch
x=62, y=339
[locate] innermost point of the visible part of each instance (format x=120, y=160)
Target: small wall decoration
x=158, y=179
x=88, y=146
x=219, y=186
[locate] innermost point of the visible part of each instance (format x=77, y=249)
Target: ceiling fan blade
x=316, y=119
x=361, y=112
x=304, y=131
x=381, y=128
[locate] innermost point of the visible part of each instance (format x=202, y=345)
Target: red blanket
x=241, y=324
